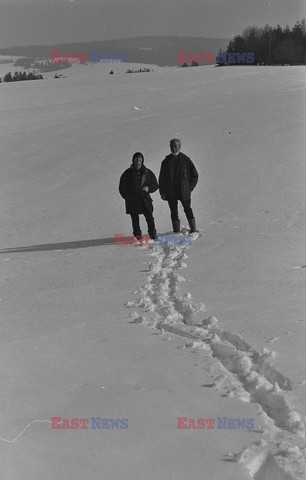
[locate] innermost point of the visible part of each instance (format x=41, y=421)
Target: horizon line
x=114, y=40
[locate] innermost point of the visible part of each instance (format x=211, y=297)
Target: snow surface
x=70, y=346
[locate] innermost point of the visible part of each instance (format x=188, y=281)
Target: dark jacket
x=131, y=186
x=189, y=177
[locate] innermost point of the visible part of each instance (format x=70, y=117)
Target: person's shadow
x=60, y=246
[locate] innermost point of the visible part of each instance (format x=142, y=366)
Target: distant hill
x=159, y=50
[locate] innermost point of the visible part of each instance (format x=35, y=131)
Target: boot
x=151, y=225
x=176, y=226
x=192, y=225
x=152, y=234
x=138, y=235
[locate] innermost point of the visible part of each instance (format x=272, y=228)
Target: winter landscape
x=90, y=329
x=166, y=359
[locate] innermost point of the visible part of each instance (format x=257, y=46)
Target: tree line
x=20, y=76
x=273, y=45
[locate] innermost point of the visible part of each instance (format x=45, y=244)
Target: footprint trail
x=236, y=367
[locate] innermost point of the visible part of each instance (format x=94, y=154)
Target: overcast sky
x=43, y=22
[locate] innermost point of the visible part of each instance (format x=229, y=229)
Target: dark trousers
x=173, y=204
x=150, y=221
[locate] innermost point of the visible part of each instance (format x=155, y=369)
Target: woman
x=136, y=184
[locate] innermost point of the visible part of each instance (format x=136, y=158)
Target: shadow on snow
x=61, y=246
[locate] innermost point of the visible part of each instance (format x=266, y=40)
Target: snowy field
x=90, y=329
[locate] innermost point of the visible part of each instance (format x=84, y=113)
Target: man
x=136, y=184
x=177, y=179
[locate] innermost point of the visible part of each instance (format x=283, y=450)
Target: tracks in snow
x=238, y=369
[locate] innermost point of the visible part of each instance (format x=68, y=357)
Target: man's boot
x=152, y=234
x=176, y=226
x=192, y=225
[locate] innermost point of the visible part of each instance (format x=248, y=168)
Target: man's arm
x=162, y=180
x=194, y=176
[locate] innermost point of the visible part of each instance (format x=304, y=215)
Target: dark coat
x=189, y=177
x=131, y=189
